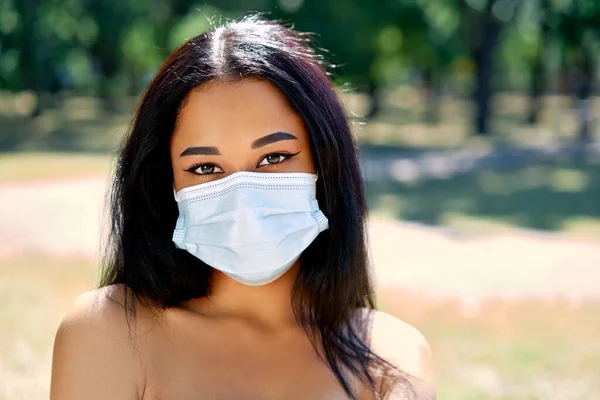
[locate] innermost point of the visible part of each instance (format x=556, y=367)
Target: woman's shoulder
x=105, y=308
x=401, y=342
x=405, y=347
x=96, y=348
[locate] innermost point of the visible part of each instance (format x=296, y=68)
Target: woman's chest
x=232, y=367
x=251, y=381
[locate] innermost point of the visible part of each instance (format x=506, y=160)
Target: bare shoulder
x=106, y=304
x=104, y=311
x=405, y=347
x=96, y=353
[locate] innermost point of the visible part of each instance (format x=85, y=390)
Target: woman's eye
x=272, y=159
x=206, y=169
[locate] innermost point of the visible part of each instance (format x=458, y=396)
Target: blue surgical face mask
x=251, y=226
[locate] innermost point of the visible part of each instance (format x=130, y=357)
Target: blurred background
x=477, y=122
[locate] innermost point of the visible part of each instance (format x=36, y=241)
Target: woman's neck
x=267, y=306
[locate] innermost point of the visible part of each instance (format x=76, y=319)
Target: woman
x=237, y=264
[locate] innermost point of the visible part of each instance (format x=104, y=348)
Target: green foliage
x=198, y=20
x=375, y=45
x=9, y=17
x=138, y=46
x=94, y=46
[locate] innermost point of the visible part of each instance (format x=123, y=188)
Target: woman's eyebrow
x=272, y=138
x=260, y=142
x=206, y=151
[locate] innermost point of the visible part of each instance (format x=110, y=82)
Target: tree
x=579, y=27
x=482, y=30
x=538, y=69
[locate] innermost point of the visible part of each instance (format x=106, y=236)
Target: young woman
x=237, y=263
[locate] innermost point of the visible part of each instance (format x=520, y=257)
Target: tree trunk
x=584, y=76
x=484, y=68
x=432, y=83
x=535, y=93
x=375, y=97
x=30, y=63
x=538, y=72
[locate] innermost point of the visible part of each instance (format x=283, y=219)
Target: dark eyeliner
x=288, y=156
x=196, y=166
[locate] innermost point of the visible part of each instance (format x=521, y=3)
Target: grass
x=497, y=350
x=35, y=291
x=554, y=197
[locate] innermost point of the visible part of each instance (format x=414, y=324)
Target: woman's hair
x=333, y=282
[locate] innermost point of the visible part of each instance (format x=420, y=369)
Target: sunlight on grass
x=518, y=350
x=470, y=224
x=551, y=197
x=569, y=180
x=507, y=183
x=18, y=167
x=390, y=206
x=585, y=226
x=35, y=291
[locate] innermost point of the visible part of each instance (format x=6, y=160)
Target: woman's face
x=227, y=127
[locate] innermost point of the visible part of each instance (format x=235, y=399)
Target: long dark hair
x=333, y=284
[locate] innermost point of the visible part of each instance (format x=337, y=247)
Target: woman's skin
x=242, y=342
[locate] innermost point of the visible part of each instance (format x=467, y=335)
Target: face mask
x=251, y=226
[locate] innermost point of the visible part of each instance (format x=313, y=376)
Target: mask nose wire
x=316, y=178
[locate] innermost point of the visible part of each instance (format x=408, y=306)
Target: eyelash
x=287, y=157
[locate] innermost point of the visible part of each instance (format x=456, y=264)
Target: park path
x=58, y=217
x=63, y=218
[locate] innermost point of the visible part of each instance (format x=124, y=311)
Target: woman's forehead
x=221, y=111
